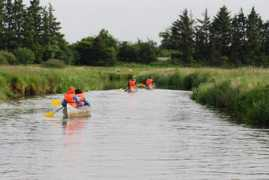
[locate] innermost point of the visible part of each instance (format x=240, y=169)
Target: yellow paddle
x=55, y=103
x=51, y=114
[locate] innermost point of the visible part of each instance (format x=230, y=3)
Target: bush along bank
x=243, y=94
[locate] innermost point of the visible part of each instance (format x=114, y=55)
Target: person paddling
x=70, y=98
x=149, y=83
x=81, y=98
x=132, y=85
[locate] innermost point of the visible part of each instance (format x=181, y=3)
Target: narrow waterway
x=148, y=135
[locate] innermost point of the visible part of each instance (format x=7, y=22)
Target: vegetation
x=242, y=93
x=223, y=40
x=31, y=32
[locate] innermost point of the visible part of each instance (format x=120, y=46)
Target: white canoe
x=71, y=112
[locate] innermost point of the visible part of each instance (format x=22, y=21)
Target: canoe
x=131, y=90
x=149, y=87
x=71, y=112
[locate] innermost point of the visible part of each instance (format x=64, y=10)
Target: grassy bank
x=242, y=93
x=24, y=81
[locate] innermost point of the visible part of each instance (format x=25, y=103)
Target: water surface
x=151, y=135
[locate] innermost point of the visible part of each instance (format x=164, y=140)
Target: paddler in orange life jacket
x=70, y=98
x=132, y=84
x=81, y=98
x=149, y=83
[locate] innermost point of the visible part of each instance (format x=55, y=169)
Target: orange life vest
x=132, y=84
x=149, y=83
x=69, y=97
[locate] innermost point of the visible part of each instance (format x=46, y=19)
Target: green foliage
x=183, y=35
x=254, y=36
x=202, y=39
x=242, y=40
x=54, y=63
x=220, y=34
x=3, y=59
x=8, y=57
x=140, y=52
x=25, y=56
x=239, y=40
x=99, y=50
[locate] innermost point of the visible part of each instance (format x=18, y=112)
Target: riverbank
x=242, y=93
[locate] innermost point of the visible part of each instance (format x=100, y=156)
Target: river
x=148, y=135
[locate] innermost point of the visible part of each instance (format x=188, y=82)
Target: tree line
x=30, y=34
x=222, y=40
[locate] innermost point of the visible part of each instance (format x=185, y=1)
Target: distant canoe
x=150, y=87
x=71, y=112
x=131, y=90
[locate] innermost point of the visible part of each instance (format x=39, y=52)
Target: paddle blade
x=49, y=114
x=56, y=102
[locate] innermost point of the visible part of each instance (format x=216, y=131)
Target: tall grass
x=23, y=81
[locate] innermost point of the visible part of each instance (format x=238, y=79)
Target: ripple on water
x=159, y=134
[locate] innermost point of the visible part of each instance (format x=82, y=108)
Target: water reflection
x=74, y=125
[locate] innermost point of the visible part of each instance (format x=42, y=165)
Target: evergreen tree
x=18, y=11
x=33, y=29
x=183, y=34
x=220, y=36
x=53, y=27
x=254, y=37
x=166, y=41
x=9, y=26
x=45, y=37
x=1, y=24
x=239, y=40
x=266, y=38
x=202, y=39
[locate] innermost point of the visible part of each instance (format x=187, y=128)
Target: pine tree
x=35, y=11
x=182, y=35
x=18, y=11
x=202, y=39
x=239, y=39
x=1, y=24
x=220, y=36
x=33, y=29
x=9, y=30
x=54, y=25
x=166, y=41
x=254, y=37
x=266, y=38
x=45, y=28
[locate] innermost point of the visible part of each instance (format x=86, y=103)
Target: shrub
x=25, y=56
x=8, y=57
x=54, y=63
x=3, y=59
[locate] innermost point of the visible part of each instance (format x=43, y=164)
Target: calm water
x=151, y=135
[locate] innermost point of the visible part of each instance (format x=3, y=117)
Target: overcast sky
x=133, y=19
